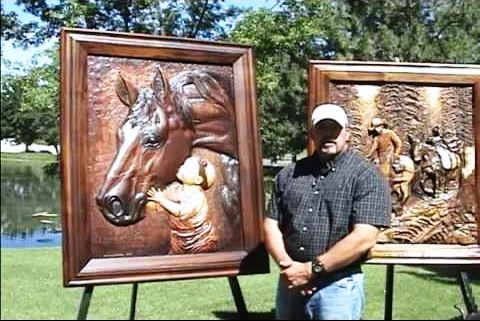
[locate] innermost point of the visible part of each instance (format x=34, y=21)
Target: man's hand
x=297, y=274
x=307, y=289
x=285, y=264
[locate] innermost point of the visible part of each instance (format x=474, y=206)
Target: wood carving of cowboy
x=386, y=145
x=448, y=150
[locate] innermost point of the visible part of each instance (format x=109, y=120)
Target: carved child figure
x=192, y=230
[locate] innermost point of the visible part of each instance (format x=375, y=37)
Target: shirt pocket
x=294, y=194
x=338, y=196
x=338, y=200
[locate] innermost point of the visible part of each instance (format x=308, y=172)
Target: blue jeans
x=341, y=299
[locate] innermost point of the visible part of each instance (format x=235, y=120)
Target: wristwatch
x=317, y=267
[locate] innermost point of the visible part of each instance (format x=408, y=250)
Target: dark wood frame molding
x=79, y=267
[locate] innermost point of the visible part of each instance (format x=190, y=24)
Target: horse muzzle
x=121, y=213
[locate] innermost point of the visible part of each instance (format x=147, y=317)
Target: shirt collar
x=341, y=158
x=332, y=164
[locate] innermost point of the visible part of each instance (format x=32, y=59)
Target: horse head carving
x=164, y=123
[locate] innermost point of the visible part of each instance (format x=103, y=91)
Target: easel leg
x=85, y=303
x=133, y=302
x=238, y=297
x=467, y=293
x=389, y=293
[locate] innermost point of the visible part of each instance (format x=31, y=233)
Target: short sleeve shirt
x=316, y=204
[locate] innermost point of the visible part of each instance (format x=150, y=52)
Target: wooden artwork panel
x=161, y=159
x=419, y=124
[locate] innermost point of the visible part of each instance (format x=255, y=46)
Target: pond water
x=30, y=203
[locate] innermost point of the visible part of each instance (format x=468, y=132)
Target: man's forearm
x=274, y=241
x=350, y=248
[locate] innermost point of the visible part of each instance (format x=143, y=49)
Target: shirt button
x=316, y=192
x=304, y=228
x=313, y=183
x=322, y=177
x=310, y=210
x=301, y=248
x=333, y=169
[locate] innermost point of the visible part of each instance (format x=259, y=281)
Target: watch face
x=317, y=267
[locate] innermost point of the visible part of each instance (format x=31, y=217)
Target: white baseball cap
x=329, y=111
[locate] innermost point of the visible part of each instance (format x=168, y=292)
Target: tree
x=207, y=19
x=30, y=103
x=284, y=40
x=12, y=28
x=410, y=30
x=19, y=119
x=9, y=95
x=47, y=98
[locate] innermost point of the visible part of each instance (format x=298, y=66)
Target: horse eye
x=152, y=137
x=151, y=142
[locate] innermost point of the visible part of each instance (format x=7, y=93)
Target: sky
x=24, y=56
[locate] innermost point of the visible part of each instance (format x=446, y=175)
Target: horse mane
x=206, y=85
x=213, y=119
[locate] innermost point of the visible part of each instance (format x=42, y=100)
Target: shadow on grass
x=449, y=274
x=229, y=315
x=446, y=274
x=465, y=316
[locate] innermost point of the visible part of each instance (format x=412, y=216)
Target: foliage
x=284, y=38
x=12, y=27
x=413, y=30
x=295, y=32
x=282, y=54
x=189, y=18
x=30, y=100
x=30, y=103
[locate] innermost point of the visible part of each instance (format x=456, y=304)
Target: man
x=386, y=146
x=325, y=214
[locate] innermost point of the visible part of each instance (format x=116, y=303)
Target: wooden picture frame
x=436, y=220
x=168, y=99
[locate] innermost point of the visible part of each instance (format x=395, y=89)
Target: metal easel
x=232, y=280
x=463, y=281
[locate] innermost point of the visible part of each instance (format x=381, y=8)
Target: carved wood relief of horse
x=164, y=124
x=437, y=167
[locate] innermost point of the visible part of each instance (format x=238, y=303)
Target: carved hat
x=329, y=111
x=377, y=121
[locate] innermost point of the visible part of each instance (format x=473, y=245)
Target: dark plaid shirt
x=317, y=204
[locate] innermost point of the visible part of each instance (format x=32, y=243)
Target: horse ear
x=126, y=91
x=160, y=85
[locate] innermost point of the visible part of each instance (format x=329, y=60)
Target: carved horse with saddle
x=438, y=166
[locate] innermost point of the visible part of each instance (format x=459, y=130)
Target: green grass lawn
x=31, y=288
x=27, y=157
